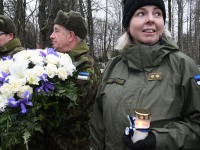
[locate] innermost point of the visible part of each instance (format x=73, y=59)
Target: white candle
x=142, y=124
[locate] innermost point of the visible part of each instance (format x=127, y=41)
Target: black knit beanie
x=72, y=21
x=7, y=25
x=130, y=6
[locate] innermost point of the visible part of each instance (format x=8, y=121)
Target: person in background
x=9, y=44
x=151, y=73
x=68, y=36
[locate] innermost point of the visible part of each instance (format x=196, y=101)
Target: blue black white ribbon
x=83, y=76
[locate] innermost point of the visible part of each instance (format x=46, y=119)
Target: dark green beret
x=7, y=25
x=72, y=21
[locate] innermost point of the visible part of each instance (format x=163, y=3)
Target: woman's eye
x=158, y=14
x=140, y=14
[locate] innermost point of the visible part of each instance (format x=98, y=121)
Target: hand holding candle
x=142, y=125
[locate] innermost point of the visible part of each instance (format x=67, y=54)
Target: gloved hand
x=149, y=143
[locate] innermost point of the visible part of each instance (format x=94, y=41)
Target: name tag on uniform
x=155, y=76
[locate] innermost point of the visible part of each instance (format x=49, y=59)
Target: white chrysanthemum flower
x=51, y=70
x=39, y=70
x=31, y=77
x=23, y=89
x=7, y=90
x=16, y=84
x=66, y=62
x=3, y=103
x=4, y=65
x=52, y=59
x=37, y=60
x=69, y=67
x=22, y=55
x=62, y=73
x=64, y=58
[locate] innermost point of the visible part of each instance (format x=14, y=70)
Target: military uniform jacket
x=158, y=78
x=11, y=48
x=73, y=132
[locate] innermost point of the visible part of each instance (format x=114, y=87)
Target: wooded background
x=34, y=22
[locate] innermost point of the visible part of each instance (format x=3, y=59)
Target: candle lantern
x=142, y=124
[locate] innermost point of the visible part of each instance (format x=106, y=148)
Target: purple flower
x=21, y=102
x=6, y=58
x=4, y=75
x=49, y=51
x=52, y=51
x=45, y=85
x=44, y=77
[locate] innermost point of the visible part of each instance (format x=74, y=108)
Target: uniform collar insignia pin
x=155, y=76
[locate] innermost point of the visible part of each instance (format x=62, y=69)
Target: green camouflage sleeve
x=87, y=88
x=77, y=122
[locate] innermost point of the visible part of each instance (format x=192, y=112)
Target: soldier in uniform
x=9, y=44
x=68, y=36
x=72, y=133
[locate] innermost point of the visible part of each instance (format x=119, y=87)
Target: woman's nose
x=150, y=18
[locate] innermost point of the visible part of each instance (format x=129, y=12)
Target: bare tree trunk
x=90, y=28
x=1, y=7
x=19, y=19
x=197, y=32
x=172, y=19
x=42, y=23
x=180, y=24
x=189, y=29
x=105, y=35
x=81, y=4
x=170, y=16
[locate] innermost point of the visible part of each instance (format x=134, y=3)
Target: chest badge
x=155, y=76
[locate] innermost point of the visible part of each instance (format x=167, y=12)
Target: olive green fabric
x=72, y=21
x=7, y=25
x=173, y=100
x=10, y=48
x=73, y=131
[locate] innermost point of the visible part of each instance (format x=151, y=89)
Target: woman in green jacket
x=150, y=73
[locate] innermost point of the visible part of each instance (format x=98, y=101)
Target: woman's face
x=147, y=24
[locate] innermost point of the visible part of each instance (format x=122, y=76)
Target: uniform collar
x=80, y=49
x=143, y=57
x=10, y=45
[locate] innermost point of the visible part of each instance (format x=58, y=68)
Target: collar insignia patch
x=155, y=76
